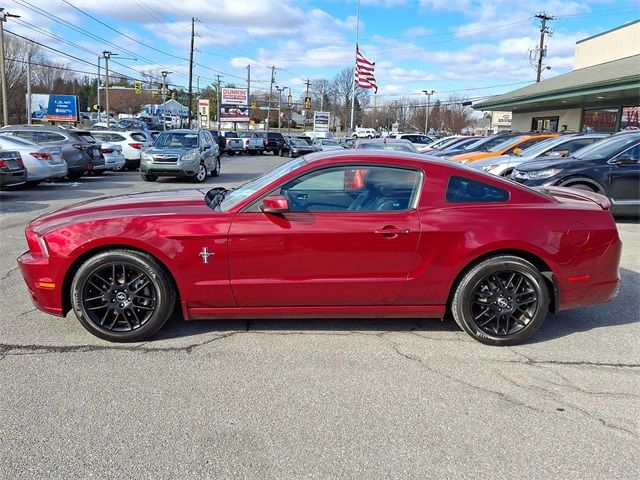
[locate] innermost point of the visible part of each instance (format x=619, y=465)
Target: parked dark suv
x=276, y=143
x=79, y=149
x=610, y=167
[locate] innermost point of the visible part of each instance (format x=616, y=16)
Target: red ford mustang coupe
x=344, y=234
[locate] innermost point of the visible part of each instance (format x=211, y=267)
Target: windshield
x=298, y=143
x=178, y=140
x=240, y=194
x=604, y=148
x=541, y=148
x=329, y=142
x=505, y=144
x=398, y=147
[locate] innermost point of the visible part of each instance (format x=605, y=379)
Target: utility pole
x=3, y=73
x=273, y=72
x=218, y=100
x=307, y=83
x=164, y=99
x=543, y=30
x=289, y=103
x=98, y=88
x=249, y=95
x=428, y=93
x=29, y=90
x=280, y=90
x=193, y=34
x=107, y=55
x=322, y=98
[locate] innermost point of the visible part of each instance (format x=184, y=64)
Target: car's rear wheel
x=216, y=170
x=501, y=301
x=74, y=175
x=122, y=295
x=201, y=174
x=148, y=177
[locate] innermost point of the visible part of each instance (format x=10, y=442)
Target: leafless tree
x=457, y=116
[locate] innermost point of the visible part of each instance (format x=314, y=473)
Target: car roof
x=382, y=140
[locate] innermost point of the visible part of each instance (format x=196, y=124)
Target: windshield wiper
x=215, y=196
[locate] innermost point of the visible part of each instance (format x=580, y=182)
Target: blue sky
x=456, y=47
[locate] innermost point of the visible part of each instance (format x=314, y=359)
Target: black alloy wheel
x=501, y=301
x=122, y=295
x=148, y=177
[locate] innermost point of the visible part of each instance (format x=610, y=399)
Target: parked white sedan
x=133, y=143
x=113, y=157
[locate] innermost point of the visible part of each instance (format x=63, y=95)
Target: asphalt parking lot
x=310, y=398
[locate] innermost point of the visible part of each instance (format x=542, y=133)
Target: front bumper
x=179, y=168
x=42, y=283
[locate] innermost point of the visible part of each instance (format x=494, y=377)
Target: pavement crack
x=556, y=398
x=496, y=393
x=9, y=273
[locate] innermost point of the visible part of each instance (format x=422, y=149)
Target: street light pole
x=289, y=104
x=280, y=90
x=3, y=73
x=107, y=55
x=164, y=98
x=428, y=93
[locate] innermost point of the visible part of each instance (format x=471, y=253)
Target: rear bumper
x=13, y=179
x=37, y=274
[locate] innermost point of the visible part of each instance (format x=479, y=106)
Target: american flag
x=364, y=72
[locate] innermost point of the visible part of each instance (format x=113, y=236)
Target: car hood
x=170, y=151
x=165, y=203
x=542, y=164
x=473, y=156
x=501, y=160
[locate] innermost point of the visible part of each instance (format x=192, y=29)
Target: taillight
x=89, y=166
x=265, y=142
x=20, y=162
x=82, y=146
x=107, y=150
x=3, y=164
x=41, y=155
x=137, y=146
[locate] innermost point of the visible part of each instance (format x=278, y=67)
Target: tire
x=74, y=175
x=290, y=153
x=231, y=153
x=501, y=301
x=216, y=171
x=148, y=177
x=280, y=151
x=33, y=183
x=261, y=152
x=122, y=295
x=201, y=174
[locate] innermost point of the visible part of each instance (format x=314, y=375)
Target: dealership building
x=600, y=94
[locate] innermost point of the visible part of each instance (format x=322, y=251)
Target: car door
x=624, y=177
x=340, y=243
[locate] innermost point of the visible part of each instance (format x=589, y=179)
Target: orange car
x=510, y=146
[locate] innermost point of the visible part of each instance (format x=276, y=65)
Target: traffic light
x=95, y=107
x=173, y=95
x=253, y=105
x=137, y=87
x=154, y=94
x=307, y=103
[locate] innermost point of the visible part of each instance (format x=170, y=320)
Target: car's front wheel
x=122, y=295
x=501, y=301
x=148, y=177
x=201, y=174
x=216, y=170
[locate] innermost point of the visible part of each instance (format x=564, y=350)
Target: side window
x=27, y=135
x=353, y=189
x=633, y=152
x=48, y=137
x=578, y=144
x=464, y=190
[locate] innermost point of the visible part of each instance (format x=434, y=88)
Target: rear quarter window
x=138, y=137
x=464, y=190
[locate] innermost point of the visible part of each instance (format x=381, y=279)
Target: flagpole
x=353, y=86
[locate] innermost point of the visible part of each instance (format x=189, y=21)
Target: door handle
x=392, y=232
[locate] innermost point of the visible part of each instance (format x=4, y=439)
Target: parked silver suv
x=181, y=153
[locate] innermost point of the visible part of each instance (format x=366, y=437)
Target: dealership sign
x=54, y=108
x=203, y=112
x=234, y=114
x=234, y=96
x=321, y=121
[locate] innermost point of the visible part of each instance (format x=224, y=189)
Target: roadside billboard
x=321, y=121
x=234, y=114
x=234, y=96
x=54, y=108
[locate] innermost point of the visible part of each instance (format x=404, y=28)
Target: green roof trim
x=607, y=77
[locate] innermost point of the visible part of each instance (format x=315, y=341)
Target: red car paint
x=326, y=264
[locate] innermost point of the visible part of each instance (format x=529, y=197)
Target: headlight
x=189, y=157
x=145, y=156
x=540, y=174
